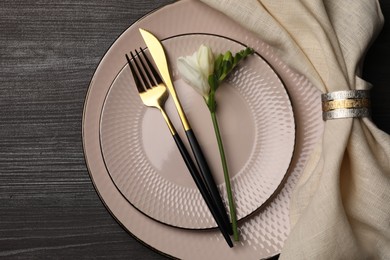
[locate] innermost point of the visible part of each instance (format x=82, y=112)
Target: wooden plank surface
x=48, y=53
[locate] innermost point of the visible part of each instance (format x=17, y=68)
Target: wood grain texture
x=48, y=53
x=48, y=206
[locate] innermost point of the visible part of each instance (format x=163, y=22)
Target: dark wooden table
x=48, y=53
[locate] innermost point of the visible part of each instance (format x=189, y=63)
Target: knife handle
x=208, y=178
x=203, y=189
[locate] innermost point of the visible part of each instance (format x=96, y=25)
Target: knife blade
x=158, y=54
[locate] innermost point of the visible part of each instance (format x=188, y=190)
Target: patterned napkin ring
x=345, y=104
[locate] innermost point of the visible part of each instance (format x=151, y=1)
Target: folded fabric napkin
x=341, y=206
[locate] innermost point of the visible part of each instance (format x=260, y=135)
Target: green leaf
x=244, y=53
x=237, y=59
x=212, y=104
x=228, y=56
x=248, y=51
x=227, y=65
x=213, y=82
x=223, y=65
x=217, y=65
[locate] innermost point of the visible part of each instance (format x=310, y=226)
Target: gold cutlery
x=153, y=93
x=158, y=54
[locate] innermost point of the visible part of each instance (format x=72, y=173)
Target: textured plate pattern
x=263, y=233
x=257, y=125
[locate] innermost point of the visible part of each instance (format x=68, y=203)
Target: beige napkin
x=341, y=206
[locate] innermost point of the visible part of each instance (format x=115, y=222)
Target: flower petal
x=205, y=59
x=191, y=73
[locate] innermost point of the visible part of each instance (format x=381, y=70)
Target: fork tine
x=135, y=76
x=150, y=79
x=151, y=67
x=146, y=83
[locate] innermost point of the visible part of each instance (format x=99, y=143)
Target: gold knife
x=158, y=54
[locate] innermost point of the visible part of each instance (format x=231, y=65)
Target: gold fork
x=153, y=93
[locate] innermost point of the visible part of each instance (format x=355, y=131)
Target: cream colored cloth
x=341, y=206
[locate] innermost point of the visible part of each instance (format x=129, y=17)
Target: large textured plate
x=262, y=233
x=257, y=126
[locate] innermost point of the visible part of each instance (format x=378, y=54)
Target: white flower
x=196, y=69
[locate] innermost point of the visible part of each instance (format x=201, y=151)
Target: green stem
x=232, y=207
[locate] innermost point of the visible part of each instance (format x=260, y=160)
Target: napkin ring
x=345, y=104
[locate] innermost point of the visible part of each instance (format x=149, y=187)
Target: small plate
x=257, y=126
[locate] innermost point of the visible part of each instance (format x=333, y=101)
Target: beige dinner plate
x=257, y=126
x=262, y=233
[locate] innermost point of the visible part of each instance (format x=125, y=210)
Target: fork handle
x=208, y=178
x=203, y=189
x=219, y=217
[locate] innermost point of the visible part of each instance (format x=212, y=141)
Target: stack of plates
x=270, y=118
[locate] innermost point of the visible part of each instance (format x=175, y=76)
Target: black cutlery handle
x=208, y=178
x=202, y=188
